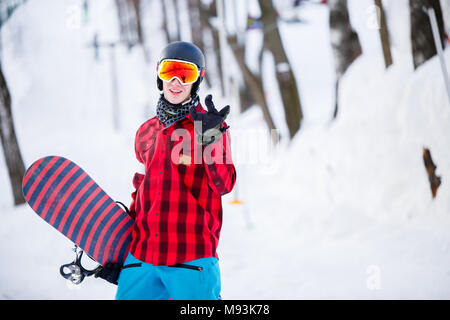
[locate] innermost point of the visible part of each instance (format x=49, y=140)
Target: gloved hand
x=211, y=122
x=110, y=272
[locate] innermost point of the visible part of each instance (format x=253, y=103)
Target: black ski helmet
x=185, y=51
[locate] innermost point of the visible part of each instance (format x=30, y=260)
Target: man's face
x=175, y=92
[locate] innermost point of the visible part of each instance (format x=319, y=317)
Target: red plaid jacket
x=177, y=204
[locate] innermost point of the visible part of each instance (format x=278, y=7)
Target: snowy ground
x=344, y=211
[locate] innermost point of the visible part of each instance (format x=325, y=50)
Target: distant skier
x=177, y=204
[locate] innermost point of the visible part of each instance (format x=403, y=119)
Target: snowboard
x=68, y=199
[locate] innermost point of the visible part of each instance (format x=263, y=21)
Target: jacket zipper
x=186, y=266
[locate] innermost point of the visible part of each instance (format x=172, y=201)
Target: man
x=177, y=202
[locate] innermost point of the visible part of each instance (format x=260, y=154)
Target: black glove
x=212, y=121
x=110, y=272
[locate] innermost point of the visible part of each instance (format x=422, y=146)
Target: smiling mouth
x=175, y=91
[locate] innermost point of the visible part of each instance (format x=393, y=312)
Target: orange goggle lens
x=186, y=72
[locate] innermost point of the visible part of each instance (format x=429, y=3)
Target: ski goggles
x=184, y=71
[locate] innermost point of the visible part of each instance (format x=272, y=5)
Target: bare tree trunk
x=423, y=47
x=435, y=181
x=384, y=34
x=177, y=19
x=246, y=99
x=128, y=12
x=136, y=4
x=196, y=23
x=253, y=81
x=197, y=28
x=11, y=151
x=205, y=14
x=164, y=23
x=286, y=79
x=122, y=15
x=344, y=41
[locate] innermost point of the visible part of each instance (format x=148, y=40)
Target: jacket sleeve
x=219, y=165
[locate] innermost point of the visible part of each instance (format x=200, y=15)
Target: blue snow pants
x=194, y=280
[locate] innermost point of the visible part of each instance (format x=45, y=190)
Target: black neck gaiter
x=169, y=113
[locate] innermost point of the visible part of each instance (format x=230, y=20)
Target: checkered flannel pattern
x=177, y=204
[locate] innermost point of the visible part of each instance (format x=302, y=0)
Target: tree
x=423, y=47
x=207, y=11
x=285, y=76
x=129, y=14
x=435, y=181
x=196, y=23
x=197, y=28
x=252, y=81
x=384, y=34
x=253, y=89
x=136, y=5
x=11, y=150
x=171, y=19
x=344, y=42
x=164, y=21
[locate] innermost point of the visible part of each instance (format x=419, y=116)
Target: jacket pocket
x=187, y=266
x=132, y=265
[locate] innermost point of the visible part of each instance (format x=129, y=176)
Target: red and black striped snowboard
x=62, y=194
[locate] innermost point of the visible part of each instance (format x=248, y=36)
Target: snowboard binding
x=76, y=272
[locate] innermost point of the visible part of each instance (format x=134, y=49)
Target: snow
x=343, y=211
